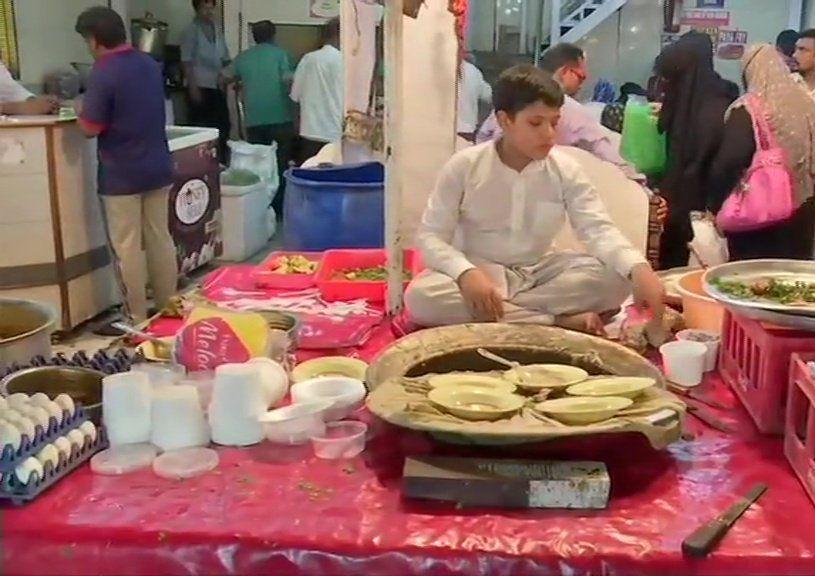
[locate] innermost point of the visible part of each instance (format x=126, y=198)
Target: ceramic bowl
x=330, y=367
x=580, y=411
x=345, y=395
x=471, y=381
x=470, y=404
x=623, y=387
x=541, y=376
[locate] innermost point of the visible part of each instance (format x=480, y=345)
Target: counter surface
x=32, y=121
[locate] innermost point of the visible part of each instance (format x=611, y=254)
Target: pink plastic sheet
x=273, y=511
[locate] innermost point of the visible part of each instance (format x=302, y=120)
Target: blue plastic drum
x=335, y=207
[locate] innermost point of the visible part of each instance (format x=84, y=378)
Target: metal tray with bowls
x=754, y=270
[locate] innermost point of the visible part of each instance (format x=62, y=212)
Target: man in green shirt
x=265, y=73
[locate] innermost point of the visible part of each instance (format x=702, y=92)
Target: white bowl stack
x=126, y=406
x=274, y=377
x=239, y=398
x=345, y=394
x=177, y=419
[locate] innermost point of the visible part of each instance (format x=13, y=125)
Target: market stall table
x=269, y=510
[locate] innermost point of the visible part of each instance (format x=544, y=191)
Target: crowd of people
x=486, y=258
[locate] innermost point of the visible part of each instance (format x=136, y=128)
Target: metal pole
x=554, y=35
x=539, y=31
x=393, y=152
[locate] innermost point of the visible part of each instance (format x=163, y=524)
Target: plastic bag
x=708, y=248
x=259, y=159
x=211, y=337
x=642, y=144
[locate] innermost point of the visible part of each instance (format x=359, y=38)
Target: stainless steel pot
x=149, y=35
x=81, y=384
x=25, y=330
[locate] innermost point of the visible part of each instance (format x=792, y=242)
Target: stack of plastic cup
x=126, y=407
x=684, y=362
x=239, y=398
x=275, y=379
x=178, y=420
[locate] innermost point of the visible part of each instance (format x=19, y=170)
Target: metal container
x=25, y=330
x=149, y=35
x=83, y=385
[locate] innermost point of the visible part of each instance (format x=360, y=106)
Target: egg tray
x=102, y=360
x=12, y=490
x=10, y=458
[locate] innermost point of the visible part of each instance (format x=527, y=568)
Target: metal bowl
x=82, y=384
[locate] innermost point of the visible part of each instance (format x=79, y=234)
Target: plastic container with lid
x=335, y=207
x=340, y=440
x=295, y=424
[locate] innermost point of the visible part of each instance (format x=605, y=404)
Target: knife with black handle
x=706, y=537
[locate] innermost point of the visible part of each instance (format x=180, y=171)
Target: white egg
x=88, y=429
x=54, y=411
x=40, y=399
x=66, y=403
x=3, y=404
x=49, y=453
x=24, y=424
x=64, y=446
x=36, y=413
x=77, y=438
x=9, y=434
x=27, y=468
x=18, y=399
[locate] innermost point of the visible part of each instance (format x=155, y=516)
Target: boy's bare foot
x=588, y=322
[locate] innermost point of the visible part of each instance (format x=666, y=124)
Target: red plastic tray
x=755, y=363
x=265, y=277
x=799, y=433
x=334, y=261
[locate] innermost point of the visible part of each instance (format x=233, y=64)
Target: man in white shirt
x=567, y=65
x=17, y=101
x=490, y=222
x=318, y=89
x=472, y=91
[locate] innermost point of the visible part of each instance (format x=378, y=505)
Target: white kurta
x=483, y=213
x=11, y=91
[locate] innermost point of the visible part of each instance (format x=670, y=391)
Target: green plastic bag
x=642, y=144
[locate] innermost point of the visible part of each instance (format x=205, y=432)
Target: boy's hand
x=648, y=290
x=481, y=296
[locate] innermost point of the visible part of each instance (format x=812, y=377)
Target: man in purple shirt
x=124, y=108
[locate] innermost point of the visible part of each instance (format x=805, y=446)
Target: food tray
x=335, y=261
x=18, y=494
x=786, y=319
x=265, y=277
x=799, y=432
x=10, y=459
x=789, y=270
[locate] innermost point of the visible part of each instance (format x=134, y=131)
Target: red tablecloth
x=272, y=511
x=277, y=511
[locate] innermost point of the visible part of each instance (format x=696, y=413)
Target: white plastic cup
x=684, y=362
x=178, y=420
x=340, y=440
x=710, y=340
x=126, y=407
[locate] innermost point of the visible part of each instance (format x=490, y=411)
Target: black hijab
x=686, y=67
x=692, y=117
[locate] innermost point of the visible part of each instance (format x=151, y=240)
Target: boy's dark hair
x=331, y=31
x=103, y=25
x=524, y=85
x=196, y=4
x=561, y=55
x=786, y=42
x=263, y=31
x=807, y=34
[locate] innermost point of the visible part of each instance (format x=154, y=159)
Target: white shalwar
x=483, y=213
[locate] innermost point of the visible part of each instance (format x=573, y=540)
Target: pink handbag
x=764, y=196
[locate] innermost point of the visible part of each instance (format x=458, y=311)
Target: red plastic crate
x=264, y=276
x=755, y=363
x=335, y=261
x=799, y=433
